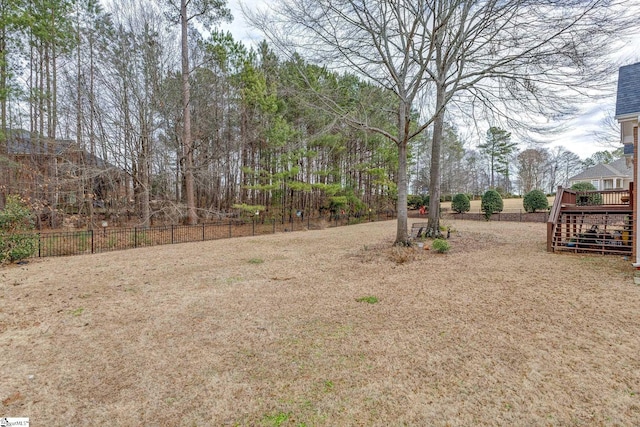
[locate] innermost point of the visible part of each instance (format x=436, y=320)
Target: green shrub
x=460, y=203
x=414, y=201
x=535, y=200
x=583, y=186
x=16, y=225
x=441, y=246
x=589, y=198
x=491, y=203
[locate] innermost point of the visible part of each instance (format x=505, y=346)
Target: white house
x=628, y=114
x=616, y=175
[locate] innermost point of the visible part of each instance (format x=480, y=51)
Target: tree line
x=497, y=162
x=113, y=85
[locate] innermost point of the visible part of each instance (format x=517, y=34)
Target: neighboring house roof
x=628, y=99
x=22, y=142
x=615, y=169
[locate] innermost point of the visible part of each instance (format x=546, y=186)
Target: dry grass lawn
x=270, y=331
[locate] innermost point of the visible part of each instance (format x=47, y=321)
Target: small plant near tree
x=460, y=203
x=256, y=261
x=17, y=240
x=535, y=200
x=491, y=203
x=441, y=246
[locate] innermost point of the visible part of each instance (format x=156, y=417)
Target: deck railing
x=601, y=198
x=554, y=215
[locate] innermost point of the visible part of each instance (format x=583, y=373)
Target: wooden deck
x=592, y=221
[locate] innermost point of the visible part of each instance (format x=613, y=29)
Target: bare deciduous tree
x=517, y=62
x=531, y=167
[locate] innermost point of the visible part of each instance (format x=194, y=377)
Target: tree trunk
x=192, y=216
x=4, y=149
x=402, y=236
x=433, y=227
x=145, y=209
x=4, y=71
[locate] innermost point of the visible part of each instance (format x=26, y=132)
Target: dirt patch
x=283, y=330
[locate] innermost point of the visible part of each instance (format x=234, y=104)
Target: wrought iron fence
x=112, y=239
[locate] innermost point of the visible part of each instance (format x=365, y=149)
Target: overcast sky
x=580, y=135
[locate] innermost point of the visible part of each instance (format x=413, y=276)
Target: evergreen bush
x=491, y=203
x=17, y=240
x=414, y=201
x=535, y=200
x=586, y=199
x=583, y=186
x=460, y=203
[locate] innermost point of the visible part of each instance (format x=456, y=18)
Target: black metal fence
x=108, y=239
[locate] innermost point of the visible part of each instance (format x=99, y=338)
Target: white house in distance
x=612, y=176
x=628, y=115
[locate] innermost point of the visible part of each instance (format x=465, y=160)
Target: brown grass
x=496, y=332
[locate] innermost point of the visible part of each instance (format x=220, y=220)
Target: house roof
x=22, y=142
x=628, y=99
x=615, y=169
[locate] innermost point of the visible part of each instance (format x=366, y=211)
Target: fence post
x=203, y=231
x=172, y=241
x=253, y=226
x=230, y=228
x=274, y=226
x=39, y=245
x=135, y=237
x=92, y=243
